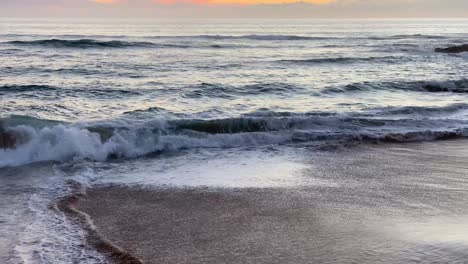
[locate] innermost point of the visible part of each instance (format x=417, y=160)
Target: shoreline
x=240, y=199
x=378, y=204
x=67, y=205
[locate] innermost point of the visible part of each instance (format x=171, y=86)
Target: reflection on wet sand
x=389, y=204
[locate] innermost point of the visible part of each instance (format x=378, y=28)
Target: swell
x=80, y=43
x=38, y=90
x=344, y=60
x=454, y=86
x=5, y=89
x=304, y=37
x=411, y=36
x=43, y=70
x=213, y=90
x=426, y=111
x=86, y=42
x=265, y=37
x=208, y=90
x=260, y=37
x=34, y=140
x=93, y=43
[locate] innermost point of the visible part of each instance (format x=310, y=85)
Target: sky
x=236, y=8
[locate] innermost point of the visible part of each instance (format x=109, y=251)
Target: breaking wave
x=26, y=139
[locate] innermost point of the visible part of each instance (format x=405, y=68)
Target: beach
x=391, y=203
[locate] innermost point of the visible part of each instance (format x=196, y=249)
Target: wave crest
x=44, y=140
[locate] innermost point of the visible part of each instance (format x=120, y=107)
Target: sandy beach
x=390, y=203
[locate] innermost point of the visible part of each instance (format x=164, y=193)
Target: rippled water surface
x=85, y=70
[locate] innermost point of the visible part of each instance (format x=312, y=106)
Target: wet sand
x=393, y=203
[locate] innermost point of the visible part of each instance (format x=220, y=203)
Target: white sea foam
x=126, y=139
x=61, y=143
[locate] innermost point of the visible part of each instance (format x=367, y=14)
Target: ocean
x=223, y=103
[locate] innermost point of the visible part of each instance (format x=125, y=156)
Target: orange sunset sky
x=236, y=8
x=242, y=2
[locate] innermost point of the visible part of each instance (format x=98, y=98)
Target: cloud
x=236, y=8
x=106, y=1
x=242, y=2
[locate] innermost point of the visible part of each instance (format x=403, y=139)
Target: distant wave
x=426, y=111
x=93, y=43
x=220, y=37
x=454, y=86
x=45, y=140
x=89, y=42
x=125, y=70
x=223, y=91
x=51, y=36
x=418, y=36
x=80, y=43
x=305, y=37
x=209, y=90
x=261, y=37
x=72, y=70
x=4, y=89
x=279, y=37
x=52, y=91
x=73, y=40
x=408, y=36
x=387, y=59
x=85, y=42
